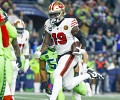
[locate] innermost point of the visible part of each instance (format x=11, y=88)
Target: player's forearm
x=44, y=48
x=16, y=47
x=11, y=30
x=79, y=35
x=85, y=57
x=45, y=42
x=43, y=75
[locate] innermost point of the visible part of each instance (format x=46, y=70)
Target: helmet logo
x=61, y=6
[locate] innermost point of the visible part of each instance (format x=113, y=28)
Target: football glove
x=45, y=86
x=80, y=52
x=18, y=62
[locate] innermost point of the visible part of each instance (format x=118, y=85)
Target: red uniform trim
x=67, y=65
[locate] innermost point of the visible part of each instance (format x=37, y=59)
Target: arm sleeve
x=81, y=38
x=11, y=30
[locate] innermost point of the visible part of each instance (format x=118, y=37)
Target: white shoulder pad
x=73, y=22
x=26, y=33
x=47, y=26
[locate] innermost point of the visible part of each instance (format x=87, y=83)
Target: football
x=74, y=45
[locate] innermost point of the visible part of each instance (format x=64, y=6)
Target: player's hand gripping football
x=79, y=52
x=37, y=54
x=18, y=62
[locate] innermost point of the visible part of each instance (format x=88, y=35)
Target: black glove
x=48, y=91
x=21, y=72
x=45, y=86
x=18, y=61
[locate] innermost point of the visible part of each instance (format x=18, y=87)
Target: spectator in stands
x=89, y=46
x=5, y=6
x=29, y=26
x=97, y=22
x=110, y=43
x=117, y=9
x=34, y=42
x=99, y=41
x=100, y=64
x=92, y=5
x=110, y=24
x=84, y=24
x=102, y=10
x=118, y=49
x=11, y=16
x=70, y=13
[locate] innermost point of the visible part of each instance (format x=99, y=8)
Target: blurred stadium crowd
x=99, y=20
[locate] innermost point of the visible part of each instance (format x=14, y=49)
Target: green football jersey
x=51, y=57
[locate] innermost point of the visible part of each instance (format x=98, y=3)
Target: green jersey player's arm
x=43, y=72
x=11, y=30
x=16, y=47
x=45, y=42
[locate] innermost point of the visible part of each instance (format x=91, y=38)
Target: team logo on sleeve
x=65, y=27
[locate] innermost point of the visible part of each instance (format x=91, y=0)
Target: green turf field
x=32, y=96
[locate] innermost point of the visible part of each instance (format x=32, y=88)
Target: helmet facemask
x=20, y=30
x=56, y=17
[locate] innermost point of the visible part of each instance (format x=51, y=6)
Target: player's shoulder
x=26, y=32
x=71, y=21
x=47, y=23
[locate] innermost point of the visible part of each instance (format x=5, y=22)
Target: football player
x=50, y=58
x=16, y=62
x=63, y=31
x=23, y=42
x=7, y=31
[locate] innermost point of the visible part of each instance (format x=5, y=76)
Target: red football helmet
x=20, y=26
x=56, y=12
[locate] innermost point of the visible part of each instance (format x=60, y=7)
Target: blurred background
x=99, y=20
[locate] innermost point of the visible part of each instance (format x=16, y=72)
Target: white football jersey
x=13, y=52
x=23, y=41
x=61, y=34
